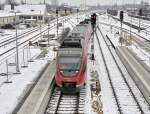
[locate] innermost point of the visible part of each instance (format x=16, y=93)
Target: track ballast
x=62, y=103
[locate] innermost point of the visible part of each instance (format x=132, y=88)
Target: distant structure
x=9, y=1
x=83, y=5
x=54, y=2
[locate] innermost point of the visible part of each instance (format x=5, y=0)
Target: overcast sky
x=91, y=2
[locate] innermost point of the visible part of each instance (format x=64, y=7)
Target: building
x=8, y=18
x=38, y=13
x=24, y=13
x=64, y=9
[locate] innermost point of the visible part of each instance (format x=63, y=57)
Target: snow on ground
x=88, y=101
x=109, y=105
x=111, y=32
x=108, y=20
x=9, y=93
x=142, y=54
x=108, y=102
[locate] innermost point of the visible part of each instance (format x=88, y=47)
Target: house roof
x=6, y=14
x=28, y=9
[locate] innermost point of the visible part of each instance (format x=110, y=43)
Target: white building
x=37, y=12
x=24, y=13
x=7, y=18
x=30, y=12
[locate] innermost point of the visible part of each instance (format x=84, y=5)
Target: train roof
x=76, y=38
x=78, y=29
x=70, y=52
x=71, y=43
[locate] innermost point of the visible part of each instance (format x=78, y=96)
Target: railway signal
x=121, y=16
x=93, y=20
x=57, y=20
x=121, y=20
x=140, y=14
x=77, y=15
x=65, y=11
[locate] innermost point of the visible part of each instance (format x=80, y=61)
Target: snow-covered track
x=126, y=30
x=12, y=39
x=66, y=103
x=144, y=45
x=135, y=25
x=7, y=52
x=72, y=23
x=125, y=98
x=139, y=71
x=26, y=41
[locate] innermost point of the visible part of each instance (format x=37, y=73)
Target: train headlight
x=77, y=71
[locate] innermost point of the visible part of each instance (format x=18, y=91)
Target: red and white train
x=71, y=58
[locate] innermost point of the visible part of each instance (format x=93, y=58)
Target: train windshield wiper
x=69, y=69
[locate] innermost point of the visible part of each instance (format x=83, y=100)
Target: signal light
x=93, y=19
x=140, y=12
x=121, y=16
x=56, y=11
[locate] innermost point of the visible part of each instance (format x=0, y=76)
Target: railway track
x=136, y=25
x=126, y=100
x=128, y=31
x=144, y=23
x=143, y=44
x=22, y=35
x=72, y=23
x=34, y=38
x=13, y=39
x=25, y=42
x=61, y=103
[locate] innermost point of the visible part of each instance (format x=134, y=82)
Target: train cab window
x=69, y=61
x=71, y=44
x=69, y=66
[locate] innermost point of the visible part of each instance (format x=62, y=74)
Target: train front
x=70, y=68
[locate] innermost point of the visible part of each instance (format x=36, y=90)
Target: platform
x=35, y=102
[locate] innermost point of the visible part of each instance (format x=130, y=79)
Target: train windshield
x=69, y=64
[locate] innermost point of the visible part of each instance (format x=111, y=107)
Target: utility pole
x=63, y=23
x=140, y=15
x=77, y=15
x=130, y=28
x=48, y=31
x=57, y=21
x=40, y=24
x=121, y=20
x=17, y=54
x=64, y=20
x=85, y=7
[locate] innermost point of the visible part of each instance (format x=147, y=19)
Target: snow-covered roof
x=31, y=9
x=5, y=14
x=28, y=9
